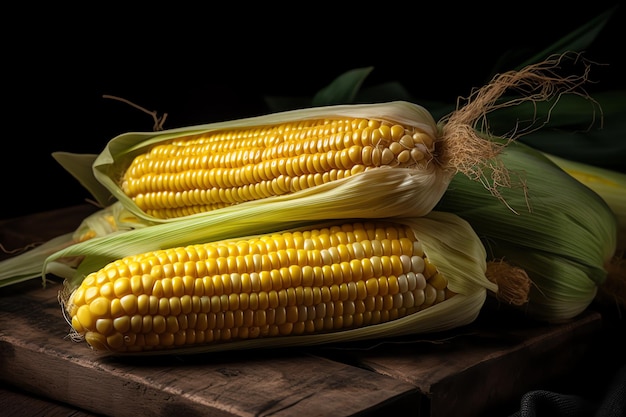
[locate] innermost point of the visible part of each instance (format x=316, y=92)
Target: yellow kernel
x=122, y=324
x=175, y=306
x=78, y=296
x=97, y=341
x=397, y=131
x=396, y=265
x=104, y=326
x=164, y=306
x=115, y=341
x=129, y=303
x=151, y=339
x=166, y=339
x=429, y=268
x=84, y=316
x=423, y=138
x=136, y=285
x=146, y=324
x=107, y=290
x=158, y=324
x=438, y=281
x=99, y=307
x=89, y=281
x=392, y=282
x=171, y=324
x=91, y=294
x=153, y=305
x=136, y=323
x=157, y=289
x=372, y=285
x=186, y=304
x=396, y=148
x=166, y=284
x=385, y=132
x=116, y=308
x=404, y=156
x=215, y=303
x=122, y=287
x=143, y=304
x=76, y=325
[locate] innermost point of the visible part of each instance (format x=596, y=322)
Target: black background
x=214, y=63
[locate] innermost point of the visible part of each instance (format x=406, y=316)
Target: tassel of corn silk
x=557, y=230
x=335, y=281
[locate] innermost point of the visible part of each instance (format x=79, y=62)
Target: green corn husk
x=608, y=184
x=28, y=265
x=611, y=186
x=562, y=233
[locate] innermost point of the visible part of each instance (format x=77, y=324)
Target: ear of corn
x=563, y=234
x=171, y=174
x=336, y=281
x=611, y=186
x=608, y=184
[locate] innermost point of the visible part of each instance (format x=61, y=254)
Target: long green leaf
x=578, y=40
x=80, y=167
x=342, y=89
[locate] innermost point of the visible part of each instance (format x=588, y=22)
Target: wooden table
x=480, y=368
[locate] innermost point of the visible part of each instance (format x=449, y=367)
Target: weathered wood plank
x=485, y=366
x=17, y=403
x=37, y=357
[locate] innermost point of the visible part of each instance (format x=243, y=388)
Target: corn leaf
x=80, y=167
x=343, y=89
x=578, y=40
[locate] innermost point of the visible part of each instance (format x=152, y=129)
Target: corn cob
x=564, y=235
x=314, y=280
x=207, y=171
x=183, y=172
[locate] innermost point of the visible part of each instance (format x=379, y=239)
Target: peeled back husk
x=560, y=232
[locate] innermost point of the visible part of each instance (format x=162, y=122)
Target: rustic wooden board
x=38, y=358
x=483, y=367
x=17, y=403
